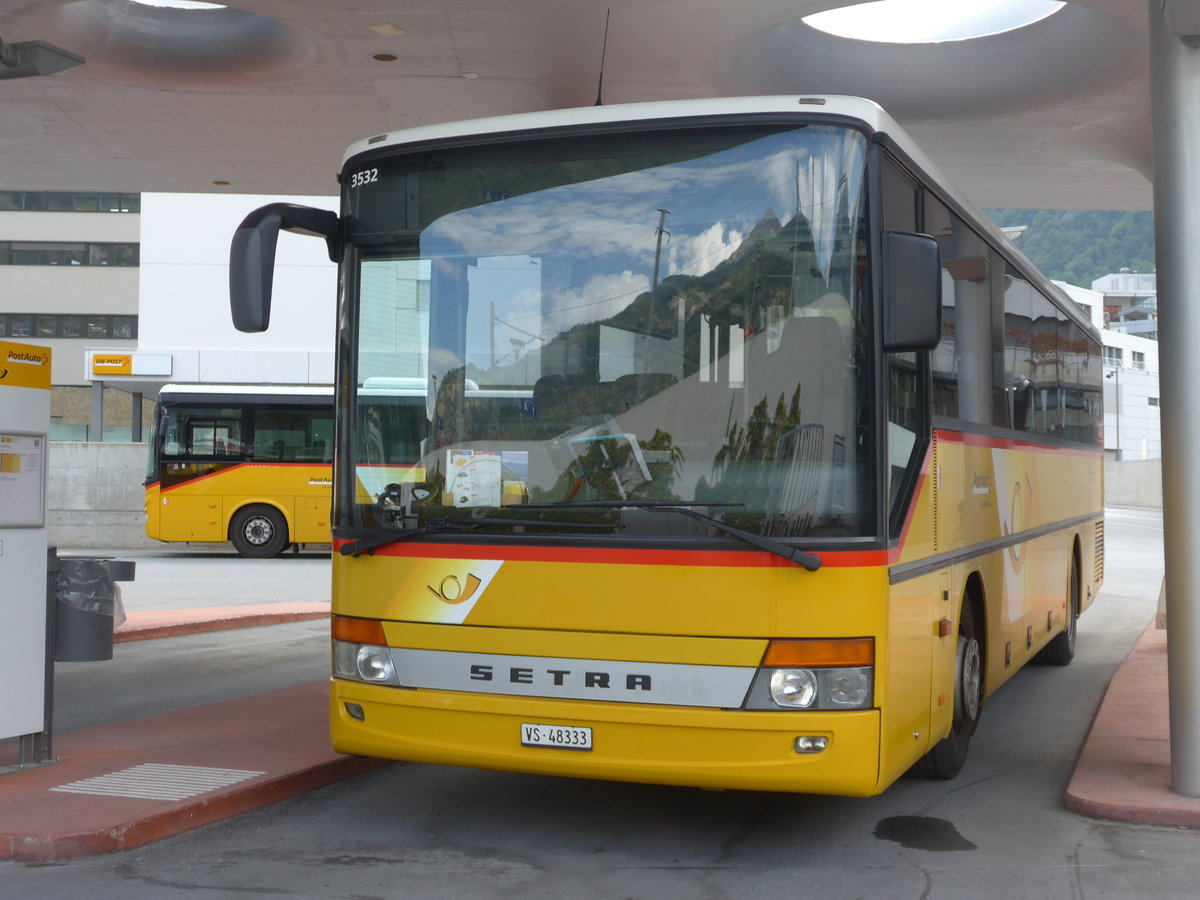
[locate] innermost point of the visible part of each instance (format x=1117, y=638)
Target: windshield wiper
x=809, y=561
x=373, y=542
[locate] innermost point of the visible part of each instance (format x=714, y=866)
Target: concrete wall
x=95, y=493
x=1133, y=482
x=94, y=496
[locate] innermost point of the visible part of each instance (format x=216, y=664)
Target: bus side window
x=214, y=437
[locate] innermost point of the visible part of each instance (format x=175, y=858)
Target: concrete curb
x=149, y=624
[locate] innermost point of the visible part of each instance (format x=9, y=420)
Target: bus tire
x=259, y=532
x=1061, y=649
x=945, y=759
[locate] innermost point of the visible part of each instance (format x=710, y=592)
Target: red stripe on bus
x=246, y=465
x=629, y=556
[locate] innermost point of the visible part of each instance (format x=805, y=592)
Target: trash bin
x=88, y=607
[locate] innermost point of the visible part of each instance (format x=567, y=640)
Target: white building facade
x=1131, y=399
x=186, y=333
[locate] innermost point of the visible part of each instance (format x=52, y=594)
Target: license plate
x=564, y=737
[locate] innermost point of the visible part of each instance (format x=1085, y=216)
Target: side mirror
x=912, y=292
x=252, y=257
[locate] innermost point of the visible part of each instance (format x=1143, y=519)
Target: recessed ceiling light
x=179, y=4
x=387, y=29
x=385, y=57
x=469, y=75
x=222, y=182
x=930, y=21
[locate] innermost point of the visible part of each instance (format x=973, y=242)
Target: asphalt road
x=997, y=831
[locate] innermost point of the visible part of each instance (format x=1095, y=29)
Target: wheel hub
x=258, y=531
x=970, y=678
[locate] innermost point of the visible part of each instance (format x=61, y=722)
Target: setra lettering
x=602, y=681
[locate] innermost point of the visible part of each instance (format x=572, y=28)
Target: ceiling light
x=388, y=30
x=179, y=4
x=930, y=21
x=385, y=57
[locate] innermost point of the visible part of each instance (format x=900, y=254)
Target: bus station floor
x=123, y=785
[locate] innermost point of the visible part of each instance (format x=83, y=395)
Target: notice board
x=22, y=480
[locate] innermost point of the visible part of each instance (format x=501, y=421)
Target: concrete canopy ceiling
x=264, y=97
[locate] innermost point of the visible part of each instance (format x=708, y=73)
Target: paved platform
x=1124, y=769
x=126, y=784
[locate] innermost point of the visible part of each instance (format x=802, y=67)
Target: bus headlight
x=794, y=687
x=834, y=688
x=846, y=688
x=364, y=662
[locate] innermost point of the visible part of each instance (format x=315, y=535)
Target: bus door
x=199, y=444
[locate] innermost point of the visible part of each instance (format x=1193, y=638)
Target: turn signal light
x=358, y=631
x=824, y=652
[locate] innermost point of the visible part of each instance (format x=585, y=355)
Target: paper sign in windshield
x=485, y=477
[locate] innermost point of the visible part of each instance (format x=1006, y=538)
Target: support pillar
x=96, y=428
x=1175, y=101
x=135, y=418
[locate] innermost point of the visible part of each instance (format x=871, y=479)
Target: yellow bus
x=248, y=464
x=802, y=461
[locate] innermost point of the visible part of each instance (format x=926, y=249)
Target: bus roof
x=866, y=111
x=244, y=390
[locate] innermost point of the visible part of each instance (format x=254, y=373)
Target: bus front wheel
x=945, y=759
x=259, y=532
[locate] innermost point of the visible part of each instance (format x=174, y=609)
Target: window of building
x=1153, y=401
x=47, y=253
x=69, y=201
x=1139, y=359
x=68, y=253
x=1113, y=356
x=58, y=325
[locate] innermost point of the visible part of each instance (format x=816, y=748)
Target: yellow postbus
x=248, y=464
x=801, y=459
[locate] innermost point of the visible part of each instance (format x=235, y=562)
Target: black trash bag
x=86, y=585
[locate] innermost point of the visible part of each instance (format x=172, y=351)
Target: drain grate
x=154, y=781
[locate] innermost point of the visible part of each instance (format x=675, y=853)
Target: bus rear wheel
x=946, y=758
x=259, y=532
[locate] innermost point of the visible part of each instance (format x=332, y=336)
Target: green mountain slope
x=1079, y=246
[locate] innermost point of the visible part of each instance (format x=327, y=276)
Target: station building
x=130, y=292
x=71, y=265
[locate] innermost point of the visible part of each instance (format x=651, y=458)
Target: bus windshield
x=556, y=337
